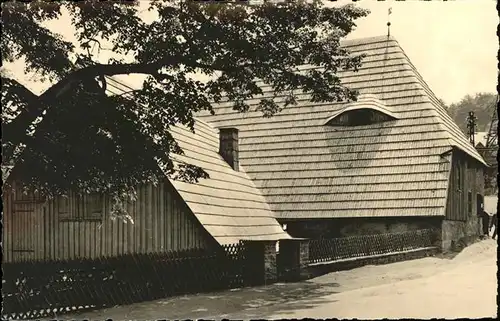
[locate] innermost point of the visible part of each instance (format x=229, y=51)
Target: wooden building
x=480, y=139
x=223, y=209
x=391, y=161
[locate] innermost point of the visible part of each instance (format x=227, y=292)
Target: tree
x=481, y=104
x=74, y=136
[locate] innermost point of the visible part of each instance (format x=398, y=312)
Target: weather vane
x=389, y=22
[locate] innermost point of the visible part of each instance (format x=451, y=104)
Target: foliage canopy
x=482, y=104
x=74, y=136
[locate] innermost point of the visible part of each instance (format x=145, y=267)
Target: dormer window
x=366, y=110
x=359, y=117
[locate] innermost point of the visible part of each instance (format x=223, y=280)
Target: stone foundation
x=294, y=258
x=458, y=234
x=333, y=228
x=261, y=265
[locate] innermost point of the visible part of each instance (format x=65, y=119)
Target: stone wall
x=457, y=234
x=388, y=225
x=293, y=259
x=261, y=264
x=270, y=264
x=334, y=228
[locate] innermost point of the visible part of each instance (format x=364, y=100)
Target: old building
x=392, y=161
x=174, y=215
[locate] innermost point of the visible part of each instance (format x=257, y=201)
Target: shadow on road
x=245, y=303
x=280, y=298
x=312, y=297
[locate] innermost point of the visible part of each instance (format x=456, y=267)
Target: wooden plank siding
x=466, y=176
x=35, y=230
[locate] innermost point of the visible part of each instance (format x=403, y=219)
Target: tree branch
x=37, y=104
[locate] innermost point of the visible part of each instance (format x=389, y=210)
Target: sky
x=453, y=44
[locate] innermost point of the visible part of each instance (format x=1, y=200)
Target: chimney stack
x=228, y=147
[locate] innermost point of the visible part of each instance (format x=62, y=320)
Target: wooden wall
x=36, y=229
x=466, y=176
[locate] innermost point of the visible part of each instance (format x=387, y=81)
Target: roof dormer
x=367, y=110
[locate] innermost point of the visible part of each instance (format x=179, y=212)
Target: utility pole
x=471, y=126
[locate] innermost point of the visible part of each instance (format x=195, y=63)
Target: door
x=27, y=227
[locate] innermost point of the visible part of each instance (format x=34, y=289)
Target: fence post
x=295, y=258
x=260, y=262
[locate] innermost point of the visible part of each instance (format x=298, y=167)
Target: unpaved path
x=462, y=287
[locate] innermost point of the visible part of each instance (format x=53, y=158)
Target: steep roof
x=307, y=169
x=227, y=204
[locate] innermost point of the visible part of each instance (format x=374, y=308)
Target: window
x=359, y=117
x=469, y=203
x=459, y=177
x=76, y=207
x=479, y=204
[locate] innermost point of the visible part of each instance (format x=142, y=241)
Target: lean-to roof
x=307, y=169
x=228, y=204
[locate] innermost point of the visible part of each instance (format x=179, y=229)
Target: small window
x=76, y=207
x=480, y=204
x=459, y=177
x=359, y=117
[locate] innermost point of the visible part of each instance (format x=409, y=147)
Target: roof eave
x=479, y=159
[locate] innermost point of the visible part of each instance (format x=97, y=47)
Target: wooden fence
x=35, y=289
x=47, y=289
x=323, y=250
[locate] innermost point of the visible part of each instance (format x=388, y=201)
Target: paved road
x=462, y=287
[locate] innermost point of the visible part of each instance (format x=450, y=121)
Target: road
x=462, y=287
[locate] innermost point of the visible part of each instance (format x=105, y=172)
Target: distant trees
x=482, y=106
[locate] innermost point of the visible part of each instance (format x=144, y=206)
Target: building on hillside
x=488, y=149
x=392, y=161
x=174, y=215
x=480, y=139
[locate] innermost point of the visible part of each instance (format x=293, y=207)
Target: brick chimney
x=228, y=147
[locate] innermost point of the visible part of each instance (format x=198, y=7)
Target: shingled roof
x=308, y=169
x=228, y=204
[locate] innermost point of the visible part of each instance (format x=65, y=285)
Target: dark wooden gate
x=26, y=226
